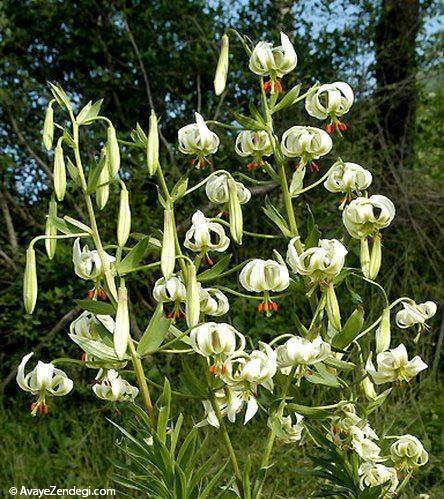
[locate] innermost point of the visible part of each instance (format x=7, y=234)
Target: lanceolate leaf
x=155, y=332
x=97, y=307
x=134, y=257
x=215, y=270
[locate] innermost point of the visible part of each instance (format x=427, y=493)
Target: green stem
x=141, y=381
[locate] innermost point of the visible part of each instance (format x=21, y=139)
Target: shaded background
x=161, y=54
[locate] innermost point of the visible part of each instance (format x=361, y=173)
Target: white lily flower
x=415, y=313
x=293, y=430
x=366, y=216
x=300, y=351
x=218, y=192
x=45, y=379
x=408, y=451
x=217, y=339
x=264, y=275
x=254, y=143
x=394, y=366
x=267, y=60
x=348, y=423
x=204, y=235
x=305, y=142
x=169, y=290
x=331, y=100
x=213, y=302
x=364, y=446
x=85, y=323
x=87, y=263
x=321, y=262
x=373, y=474
x=111, y=386
x=347, y=178
x=197, y=138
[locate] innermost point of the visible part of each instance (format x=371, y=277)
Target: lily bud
x=59, y=173
x=192, y=303
x=30, y=287
x=122, y=329
x=124, y=222
x=220, y=78
x=152, y=152
x=236, y=218
x=365, y=257
x=376, y=257
x=112, y=152
x=102, y=193
x=383, y=333
x=51, y=229
x=333, y=312
x=368, y=388
x=168, y=255
x=48, y=127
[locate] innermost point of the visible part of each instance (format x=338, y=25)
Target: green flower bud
x=112, y=152
x=376, y=257
x=383, y=333
x=192, y=303
x=51, y=229
x=122, y=328
x=168, y=254
x=59, y=172
x=236, y=218
x=48, y=126
x=220, y=78
x=332, y=306
x=30, y=287
x=368, y=388
x=152, y=151
x=365, y=257
x=124, y=222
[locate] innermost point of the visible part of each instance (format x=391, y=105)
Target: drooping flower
x=213, y=302
x=112, y=387
x=307, y=143
x=364, y=446
x=291, y=428
x=394, y=366
x=255, y=143
x=348, y=178
x=408, y=451
x=86, y=325
x=169, y=290
x=204, y=235
x=415, y=313
x=217, y=339
x=264, y=275
x=87, y=263
x=44, y=380
x=218, y=192
x=274, y=62
x=321, y=262
x=197, y=139
x=374, y=474
x=301, y=351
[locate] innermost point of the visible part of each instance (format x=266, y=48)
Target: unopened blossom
x=204, y=235
x=218, y=192
x=292, y=427
x=301, y=351
x=394, y=365
x=112, y=387
x=264, y=275
x=213, y=302
x=254, y=143
x=332, y=101
x=365, y=217
x=44, y=380
x=408, y=451
x=274, y=62
x=348, y=178
x=218, y=339
x=87, y=263
x=415, y=313
x=86, y=325
x=321, y=262
x=197, y=138
x=374, y=474
x=169, y=290
x=307, y=143
x=364, y=446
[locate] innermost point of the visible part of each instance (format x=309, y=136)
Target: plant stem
x=141, y=381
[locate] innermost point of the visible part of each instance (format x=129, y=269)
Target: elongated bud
x=124, y=222
x=220, y=78
x=102, y=193
x=376, y=257
x=236, y=217
x=192, y=304
x=332, y=306
x=48, y=126
x=51, y=229
x=30, y=287
x=383, y=333
x=365, y=257
x=152, y=151
x=122, y=329
x=368, y=388
x=112, y=152
x=59, y=172
x=168, y=255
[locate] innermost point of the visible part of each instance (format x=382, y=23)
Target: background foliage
x=138, y=55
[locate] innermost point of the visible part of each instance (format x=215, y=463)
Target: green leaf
x=73, y=172
x=321, y=376
x=313, y=237
x=351, y=329
x=75, y=225
x=89, y=112
x=315, y=412
x=249, y=123
x=96, y=348
x=134, y=257
x=215, y=270
x=275, y=216
x=155, y=332
x=195, y=385
x=339, y=364
x=288, y=99
x=96, y=307
x=60, y=95
x=180, y=187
